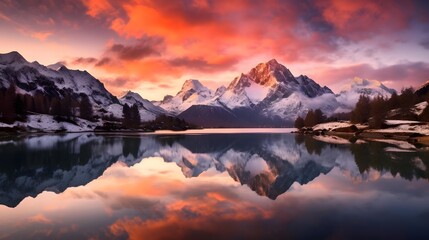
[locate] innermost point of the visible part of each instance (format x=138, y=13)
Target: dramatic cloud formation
x=82, y=60
x=144, y=47
x=399, y=75
x=165, y=42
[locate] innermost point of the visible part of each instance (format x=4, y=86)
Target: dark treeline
x=66, y=107
x=131, y=116
x=16, y=107
x=311, y=119
x=168, y=122
x=373, y=111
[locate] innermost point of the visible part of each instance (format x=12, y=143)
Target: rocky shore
x=413, y=132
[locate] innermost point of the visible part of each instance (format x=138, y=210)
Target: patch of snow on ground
x=418, y=108
x=332, y=139
x=400, y=144
x=394, y=149
x=405, y=128
x=335, y=125
x=399, y=122
x=331, y=125
x=47, y=123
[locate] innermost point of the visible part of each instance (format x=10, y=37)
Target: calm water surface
x=210, y=186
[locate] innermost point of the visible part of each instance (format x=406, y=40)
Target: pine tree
x=393, y=102
x=378, y=112
x=126, y=116
x=55, y=107
x=319, y=116
x=135, y=116
x=362, y=111
x=8, y=114
x=66, y=106
x=407, y=98
x=299, y=122
x=20, y=107
x=41, y=103
x=310, y=119
x=85, y=108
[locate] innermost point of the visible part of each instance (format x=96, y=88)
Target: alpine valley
x=269, y=95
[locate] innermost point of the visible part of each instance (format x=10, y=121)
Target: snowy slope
x=192, y=93
x=57, y=81
x=268, y=91
x=267, y=83
x=33, y=77
x=298, y=104
x=148, y=111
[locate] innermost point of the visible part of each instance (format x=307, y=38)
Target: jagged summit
x=193, y=92
x=193, y=84
x=128, y=93
x=267, y=83
x=11, y=58
x=57, y=66
x=270, y=74
x=148, y=111
x=220, y=90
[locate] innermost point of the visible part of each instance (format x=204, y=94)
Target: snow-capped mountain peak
x=193, y=84
x=148, y=111
x=130, y=94
x=268, y=74
x=268, y=83
x=368, y=87
x=220, y=90
x=11, y=58
x=193, y=92
x=351, y=92
x=194, y=88
x=311, y=88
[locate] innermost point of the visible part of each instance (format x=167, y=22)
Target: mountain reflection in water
x=268, y=164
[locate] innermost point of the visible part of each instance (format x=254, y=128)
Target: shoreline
x=415, y=133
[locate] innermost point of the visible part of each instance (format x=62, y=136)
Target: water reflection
x=269, y=164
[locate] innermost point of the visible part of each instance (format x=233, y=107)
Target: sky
x=153, y=46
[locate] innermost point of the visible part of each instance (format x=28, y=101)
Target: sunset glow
x=151, y=47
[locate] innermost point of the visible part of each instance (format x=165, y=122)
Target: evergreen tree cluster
x=131, y=116
x=311, y=119
x=16, y=107
x=168, y=122
x=372, y=111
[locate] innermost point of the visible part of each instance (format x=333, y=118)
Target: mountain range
x=269, y=95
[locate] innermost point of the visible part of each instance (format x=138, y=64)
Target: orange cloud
x=214, y=214
x=357, y=19
x=215, y=37
x=39, y=218
x=96, y=7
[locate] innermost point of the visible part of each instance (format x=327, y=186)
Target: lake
x=229, y=185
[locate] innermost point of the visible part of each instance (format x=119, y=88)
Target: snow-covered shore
x=406, y=132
